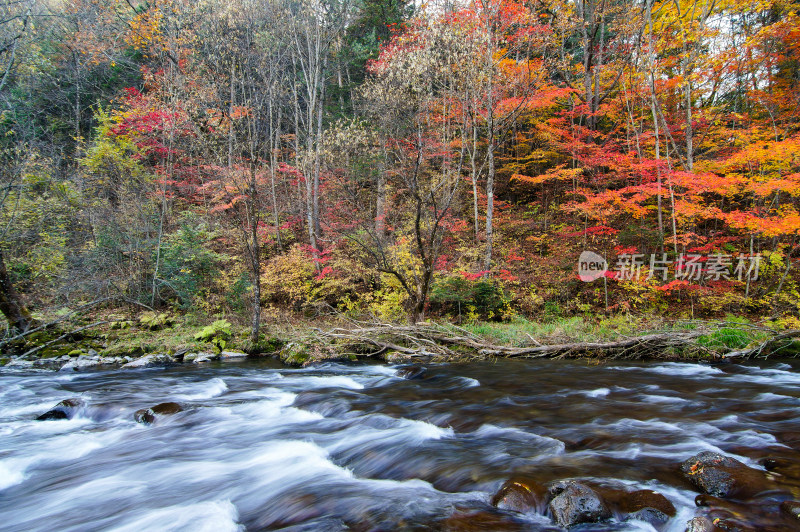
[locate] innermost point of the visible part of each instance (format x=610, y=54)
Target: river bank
x=157, y=339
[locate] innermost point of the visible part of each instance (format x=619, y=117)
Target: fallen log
x=450, y=342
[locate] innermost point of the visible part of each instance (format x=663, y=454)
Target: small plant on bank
x=156, y=321
x=218, y=334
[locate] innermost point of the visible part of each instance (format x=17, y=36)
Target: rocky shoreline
x=93, y=360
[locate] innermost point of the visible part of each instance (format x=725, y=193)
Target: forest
x=273, y=160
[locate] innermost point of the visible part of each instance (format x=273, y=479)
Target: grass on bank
x=299, y=341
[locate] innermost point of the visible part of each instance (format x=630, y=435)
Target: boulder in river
x=479, y=520
x=18, y=362
x=81, y=363
x=198, y=358
x=791, y=508
x=231, y=355
x=648, y=506
x=722, y=476
x=784, y=466
x=520, y=495
x=575, y=503
x=700, y=524
x=65, y=409
x=147, y=416
x=148, y=361
x=411, y=372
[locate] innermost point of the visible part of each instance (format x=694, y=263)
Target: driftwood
x=451, y=342
x=455, y=343
x=65, y=335
x=49, y=324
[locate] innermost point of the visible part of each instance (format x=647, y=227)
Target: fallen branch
x=76, y=331
x=762, y=347
x=452, y=342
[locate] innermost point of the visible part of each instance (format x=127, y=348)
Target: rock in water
x=148, y=361
x=575, y=503
x=81, y=363
x=147, y=416
x=520, y=495
x=166, y=409
x=699, y=524
x=232, y=355
x=791, y=508
x=722, y=476
x=65, y=409
x=411, y=372
x=481, y=520
x=648, y=506
x=204, y=357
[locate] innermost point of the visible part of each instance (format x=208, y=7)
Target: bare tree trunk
x=273, y=161
x=380, y=200
x=474, y=175
x=255, y=261
x=653, y=101
x=490, y=146
x=11, y=303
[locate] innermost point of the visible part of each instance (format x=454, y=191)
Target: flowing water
x=338, y=447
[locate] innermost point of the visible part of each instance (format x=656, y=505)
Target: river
x=260, y=446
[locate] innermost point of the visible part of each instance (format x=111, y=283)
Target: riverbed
x=260, y=446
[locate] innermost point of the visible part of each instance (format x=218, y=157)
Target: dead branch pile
x=451, y=342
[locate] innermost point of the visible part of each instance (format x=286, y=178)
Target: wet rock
x=65, y=409
x=722, y=476
x=648, y=515
x=784, y=466
x=18, y=362
x=329, y=524
x=480, y=520
x=179, y=355
x=204, y=357
x=575, y=503
x=791, y=508
x=411, y=372
x=148, y=361
x=49, y=363
x=147, y=416
x=232, y=354
x=700, y=524
x=648, y=506
x=520, y=495
x=81, y=363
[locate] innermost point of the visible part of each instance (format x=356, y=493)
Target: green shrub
x=186, y=263
x=480, y=299
x=153, y=321
x=725, y=338
x=218, y=334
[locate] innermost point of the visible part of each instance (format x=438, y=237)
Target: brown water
x=339, y=447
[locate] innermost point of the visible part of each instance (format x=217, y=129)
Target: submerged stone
x=147, y=416
x=65, y=409
x=411, y=372
x=520, y=495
